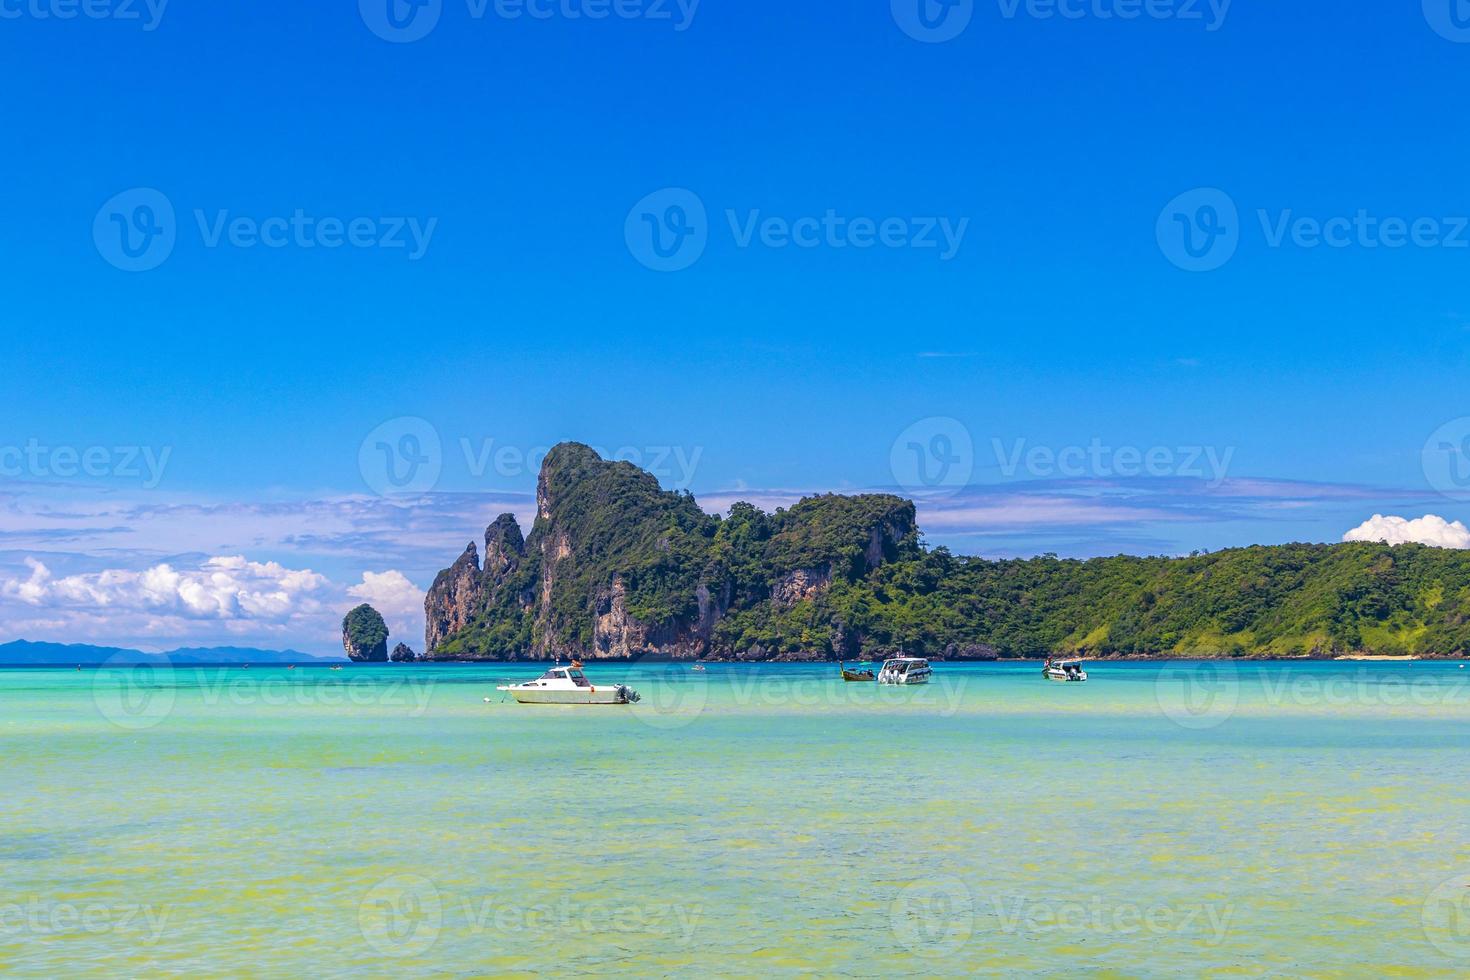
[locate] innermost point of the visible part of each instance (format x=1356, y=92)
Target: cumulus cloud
x=221, y=599
x=399, y=600
x=1429, y=529
x=223, y=588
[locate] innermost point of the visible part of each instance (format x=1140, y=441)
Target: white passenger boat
x=905, y=670
x=568, y=685
x=1064, y=670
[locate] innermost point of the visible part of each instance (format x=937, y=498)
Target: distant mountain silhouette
x=27, y=652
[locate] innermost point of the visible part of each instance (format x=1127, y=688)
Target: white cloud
x=223, y=588
x=399, y=600
x=1429, y=529
x=226, y=599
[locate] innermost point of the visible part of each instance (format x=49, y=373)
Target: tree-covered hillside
x=1286, y=600
x=616, y=566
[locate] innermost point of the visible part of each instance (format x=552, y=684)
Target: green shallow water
x=1303, y=819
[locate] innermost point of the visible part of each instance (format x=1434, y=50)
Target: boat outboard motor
x=627, y=694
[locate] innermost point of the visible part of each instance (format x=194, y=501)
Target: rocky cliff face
x=453, y=599
x=619, y=635
x=801, y=584
x=504, y=549
x=616, y=567
x=403, y=654
x=618, y=559
x=467, y=592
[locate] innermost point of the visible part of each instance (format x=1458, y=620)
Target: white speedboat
x=568, y=685
x=905, y=670
x=1064, y=670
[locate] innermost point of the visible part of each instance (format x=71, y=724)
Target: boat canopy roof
x=905, y=660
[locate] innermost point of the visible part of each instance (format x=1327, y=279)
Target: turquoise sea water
x=1285, y=819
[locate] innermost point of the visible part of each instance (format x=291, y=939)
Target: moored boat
x=905, y=670
x=855, y=675
x=1064, y=670
x=568, y=685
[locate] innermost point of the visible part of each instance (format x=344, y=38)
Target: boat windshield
x=555, y=674
x=578, y=679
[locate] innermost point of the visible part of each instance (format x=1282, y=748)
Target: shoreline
x=629, y=661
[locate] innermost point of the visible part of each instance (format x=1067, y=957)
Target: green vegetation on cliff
x=1287, y=600
x=364, y=634
x=615, y=520
x=615, y=563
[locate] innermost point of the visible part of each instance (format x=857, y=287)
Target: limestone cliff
x=453, y=600
x=365, y=635
x=504, y=549
x=617, y=567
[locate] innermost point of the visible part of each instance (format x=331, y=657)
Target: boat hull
x=596, y=695
x=908, y=681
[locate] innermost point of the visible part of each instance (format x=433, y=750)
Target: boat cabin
x=565, y=675
x=902, y=665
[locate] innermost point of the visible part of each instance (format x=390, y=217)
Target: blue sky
x=1060, y=152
